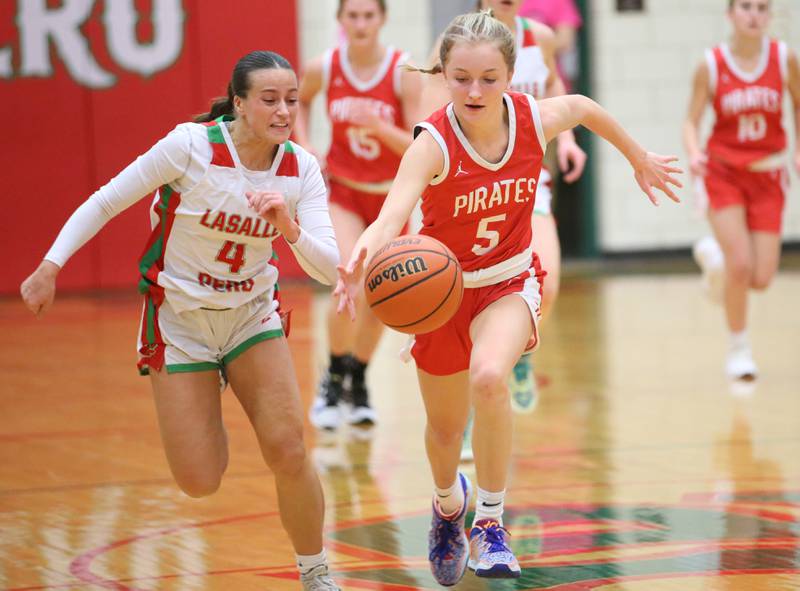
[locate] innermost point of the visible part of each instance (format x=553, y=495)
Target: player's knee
x=739, y=270
x=445, y=435
x=199, y=484
x=487, y=382
x=761, y=281
x=284, y=454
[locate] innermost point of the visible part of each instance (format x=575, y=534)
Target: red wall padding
x=62, y=139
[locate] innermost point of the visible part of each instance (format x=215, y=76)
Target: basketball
x=414, y=284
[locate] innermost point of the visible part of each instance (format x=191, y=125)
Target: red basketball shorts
x=447, y=350
x=367, y=206
x=762, y=194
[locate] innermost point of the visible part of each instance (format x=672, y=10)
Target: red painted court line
x=595, y=583
x=54, y=435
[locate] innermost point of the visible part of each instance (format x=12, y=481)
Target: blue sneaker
x=522, y=386
x=489, y=553
x=448, y=546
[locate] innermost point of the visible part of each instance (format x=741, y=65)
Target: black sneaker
x=326, y=413
x=361, y=413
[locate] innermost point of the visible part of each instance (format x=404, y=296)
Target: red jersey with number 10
x=482, y=210
x=748, y=105
x=355, y=154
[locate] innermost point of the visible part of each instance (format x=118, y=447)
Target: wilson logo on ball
x=398, y=270
x=414, y=284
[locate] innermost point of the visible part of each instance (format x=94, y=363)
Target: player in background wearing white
x=371, y=104
x=743, y=170
x=499, y=138
x=225, y=188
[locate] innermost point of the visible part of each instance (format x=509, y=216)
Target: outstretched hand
x=655, y=172
x=349, y=283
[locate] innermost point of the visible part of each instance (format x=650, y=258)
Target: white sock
x=451, y=499
x=489, y=505
x=739, y=339
x=306, y=563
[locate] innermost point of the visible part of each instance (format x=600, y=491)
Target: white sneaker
x=318, y=579
x=740, y=364
x=326, y=411
x=709, y=257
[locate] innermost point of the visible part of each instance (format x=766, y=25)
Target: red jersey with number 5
x=355, y=154
x=482, y=210
x=748, y=105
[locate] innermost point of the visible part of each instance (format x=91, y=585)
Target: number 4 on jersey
x=232, y=253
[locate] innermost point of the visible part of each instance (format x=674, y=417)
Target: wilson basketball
x=414, y=284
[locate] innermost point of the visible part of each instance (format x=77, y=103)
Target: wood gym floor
x=641, y=468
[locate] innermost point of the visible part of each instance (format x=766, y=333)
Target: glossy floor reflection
x=641, y=469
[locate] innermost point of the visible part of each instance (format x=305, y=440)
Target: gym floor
x=641, y=469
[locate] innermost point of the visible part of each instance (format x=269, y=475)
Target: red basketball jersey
x=354, y=154
x=481, y=210
x=748, y=105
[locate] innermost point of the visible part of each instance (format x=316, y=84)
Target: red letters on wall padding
x=85, y=87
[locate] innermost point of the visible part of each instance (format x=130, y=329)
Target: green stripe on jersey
x=215, y=135
x=156, y=250
x=244, y=346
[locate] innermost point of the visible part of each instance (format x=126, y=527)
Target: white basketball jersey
x=208, y=248
x=530, y=70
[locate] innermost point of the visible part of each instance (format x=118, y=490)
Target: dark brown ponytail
x=240, y=81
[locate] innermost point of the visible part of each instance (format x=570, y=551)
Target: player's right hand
x=698, y=165
x=39, y=289
x=348, y=285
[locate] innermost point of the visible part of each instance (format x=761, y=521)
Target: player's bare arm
x=650, y=170
x=793, y=84
x=310, y=86
x=701, y=96
x=571, y=158
x=397, y=139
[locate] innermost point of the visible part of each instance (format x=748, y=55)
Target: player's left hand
x=363, y=116
x=655, y=171
x=571, y=159
x=349, y=283
x=272, y=207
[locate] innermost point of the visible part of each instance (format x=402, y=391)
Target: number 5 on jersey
x=232, y=253
x=493, y=236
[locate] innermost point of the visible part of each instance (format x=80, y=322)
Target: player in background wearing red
x=743, y=166
x=476, y=163
x=371, y=104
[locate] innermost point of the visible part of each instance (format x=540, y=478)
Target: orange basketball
x=414, y=284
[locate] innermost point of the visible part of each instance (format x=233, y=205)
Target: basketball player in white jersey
x=225, y=188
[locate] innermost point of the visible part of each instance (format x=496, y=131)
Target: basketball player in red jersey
x=535, y=73
x=476, y=163
x=743, y=166
x=371, y=103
